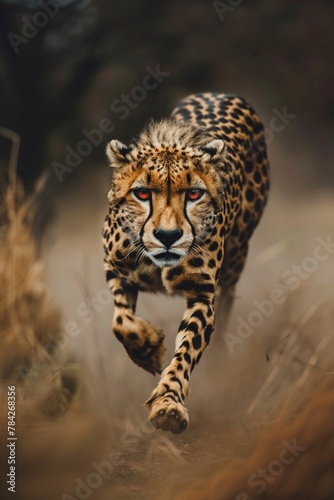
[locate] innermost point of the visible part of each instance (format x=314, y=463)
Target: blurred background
x=65, y=62
x=75, y=74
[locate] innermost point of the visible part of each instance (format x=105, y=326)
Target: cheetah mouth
x=167, y=256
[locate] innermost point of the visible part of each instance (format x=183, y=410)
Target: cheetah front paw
x=168, y=415
x=145, y=346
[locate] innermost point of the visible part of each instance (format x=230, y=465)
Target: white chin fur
x=165, y=263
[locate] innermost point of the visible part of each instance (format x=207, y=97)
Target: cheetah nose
x=168, y=238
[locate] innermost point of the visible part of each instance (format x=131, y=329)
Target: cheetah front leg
x=166, y=403
x=142, y=341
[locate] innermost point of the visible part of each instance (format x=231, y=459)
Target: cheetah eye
x=143, y=194
x=194, y=194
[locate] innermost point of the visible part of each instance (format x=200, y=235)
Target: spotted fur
x=185, y=198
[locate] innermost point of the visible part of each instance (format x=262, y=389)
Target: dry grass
x=61, y=437
x=51, y=422
x=309, y=475
x=301, y=411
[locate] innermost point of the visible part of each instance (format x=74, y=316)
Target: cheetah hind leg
x=224, y=304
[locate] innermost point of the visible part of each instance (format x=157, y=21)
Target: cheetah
x=185, y=198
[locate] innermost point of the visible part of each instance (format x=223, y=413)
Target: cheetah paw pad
x=169, y=417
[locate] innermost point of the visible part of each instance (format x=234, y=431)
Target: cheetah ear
x=117, y=152
x=213, y=149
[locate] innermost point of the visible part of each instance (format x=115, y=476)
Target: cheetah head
x=166, y=191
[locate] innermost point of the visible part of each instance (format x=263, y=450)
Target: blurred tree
x=52, y=50
x=49, y=58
